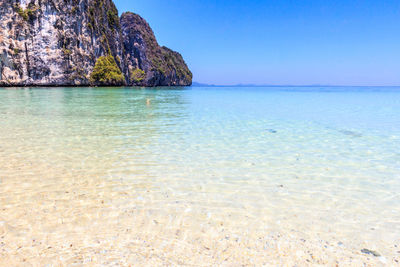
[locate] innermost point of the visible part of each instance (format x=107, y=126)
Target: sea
x=197, y=165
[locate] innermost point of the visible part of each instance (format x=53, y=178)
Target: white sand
x=51, y=216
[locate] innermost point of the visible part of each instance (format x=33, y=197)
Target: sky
x=280, y=42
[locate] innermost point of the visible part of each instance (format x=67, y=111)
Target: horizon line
x=194, y=84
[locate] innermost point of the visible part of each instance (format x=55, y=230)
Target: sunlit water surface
x=198, y=164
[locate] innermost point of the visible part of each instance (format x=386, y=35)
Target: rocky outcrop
x=147, y=62
x=59, y=43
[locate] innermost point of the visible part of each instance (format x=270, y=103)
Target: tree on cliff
x=106, y=72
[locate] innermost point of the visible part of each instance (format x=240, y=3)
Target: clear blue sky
x=342, y=42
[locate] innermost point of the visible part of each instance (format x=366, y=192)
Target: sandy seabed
x=274, y=177
x=71, y=220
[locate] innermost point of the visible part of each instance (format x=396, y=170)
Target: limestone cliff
x=147, y=62
x=70, y=42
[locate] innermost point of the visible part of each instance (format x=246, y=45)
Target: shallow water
x=89, y=171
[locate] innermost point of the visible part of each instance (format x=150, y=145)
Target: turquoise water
x=319, y=160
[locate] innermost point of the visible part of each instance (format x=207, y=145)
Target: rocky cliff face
x=147, y=62
x=62, y=42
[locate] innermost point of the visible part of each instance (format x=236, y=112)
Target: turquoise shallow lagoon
x=309, y=163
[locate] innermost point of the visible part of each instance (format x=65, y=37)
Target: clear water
x=320, y=161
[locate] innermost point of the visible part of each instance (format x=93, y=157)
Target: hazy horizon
x=196, y=83
x=273, y=42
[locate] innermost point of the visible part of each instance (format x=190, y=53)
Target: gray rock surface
x=158, y=65
x=57, y=43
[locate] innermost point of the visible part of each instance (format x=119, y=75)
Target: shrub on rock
x=106, y=72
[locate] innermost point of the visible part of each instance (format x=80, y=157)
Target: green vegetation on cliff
x=103, y=16
x=162, y=66
x=26, y=14
x=174, y=61
x=92, y=46
x=138, y=75
x=106, y=72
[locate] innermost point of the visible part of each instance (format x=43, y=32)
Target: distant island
x=82, y=43
x=198, y=84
